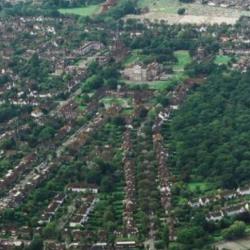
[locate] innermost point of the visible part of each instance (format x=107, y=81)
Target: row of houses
x=81, y=136
x=223, y=195
x=13, y=174
x=10, y=244
x=130, y=189
x=52, y=208
x=118, y=245
x=233, y=210
x=241, y=4
x=81, y=215
x=47, y=44
x=19, y=192
x=164, y=174
x=41, y=172
x=82, y=188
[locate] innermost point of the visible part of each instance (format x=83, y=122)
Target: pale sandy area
x=191, y=19
x=243, y=244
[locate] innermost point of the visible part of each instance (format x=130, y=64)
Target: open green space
x=134, y=57
x=222, y=59
x=81, y=11
x=202, y=186
x=183, y=59
x=154, y=85
x=109, y=101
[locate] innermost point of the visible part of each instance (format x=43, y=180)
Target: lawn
x=82, y=11
x=109, y=101
x=220, y=60
x=202, y=186
x=127, y=111
x=159, y=85
x=183, y=59
x=134, y=57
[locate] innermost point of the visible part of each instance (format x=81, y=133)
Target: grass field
x=159, y=85
x=183, y=58
x=202, y=186
x=134, y=57
x=222, y=59
x=82, y=11
x=109, y=101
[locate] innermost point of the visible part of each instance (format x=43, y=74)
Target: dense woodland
x=210, y=133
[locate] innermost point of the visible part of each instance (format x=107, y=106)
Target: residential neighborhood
x=122, y=130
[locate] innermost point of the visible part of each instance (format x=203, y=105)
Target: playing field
x=195, y=13
x=82, y=11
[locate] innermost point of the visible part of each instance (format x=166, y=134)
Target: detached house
x=139, y=72
x=215, y=216
x=243, y=190
x=83, y=188
x=236, y=209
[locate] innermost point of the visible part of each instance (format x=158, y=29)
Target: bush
x=186, y=1
x=181, y=11
x=236, y=230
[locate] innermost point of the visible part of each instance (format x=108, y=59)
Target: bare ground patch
x=242, y=244
x=186, y=19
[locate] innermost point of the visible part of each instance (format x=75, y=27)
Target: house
x=204, y=201
x=83, y=188
x=135, y=73
x=228, y=194
x=10, y=244
x=194, y=203
x=81, y=215
x=215, y=216
x=243, y=190
x=125, y=244
x=236, y=209
x=140, y=72
x=107, y=5
x=45, y=218
x=53, y=245
x=78, y=235
x=36, y=113
x=87, y=47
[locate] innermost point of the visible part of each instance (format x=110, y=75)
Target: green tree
x=181, y=11
x=236, y=230
x=50, y=231
x=36, y=244
x=165, y=236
